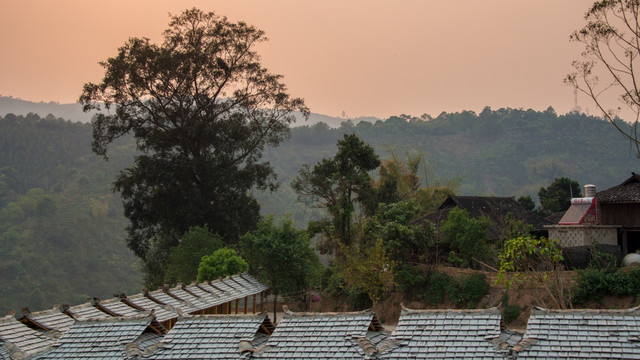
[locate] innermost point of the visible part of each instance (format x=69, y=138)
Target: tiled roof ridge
x=406, y=311
x=540, y=310
x=147, y=315
x=286, y=310
x=263, y=315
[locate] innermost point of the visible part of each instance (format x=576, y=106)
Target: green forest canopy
x=62, y=228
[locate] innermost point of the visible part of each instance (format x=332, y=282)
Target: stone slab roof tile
x=23, y=338
x=321, y=336
x=86, y=311
x=119, y=308
x=210, y=337
x=440, y=334
x=166, y=299
x=52, y=319
x=99, y=339
x=162, y=312
x=601, y=334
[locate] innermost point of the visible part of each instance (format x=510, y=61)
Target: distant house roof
x=447, y=334
x=86, y=311
x=594, y=334
x=322, y=336
x=112, y=338
x=53, y=319
x=212, y=337
x=495, y=208
x=627, y=192
x=24, y=339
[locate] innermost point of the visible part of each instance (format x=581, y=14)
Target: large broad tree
x=338, y=184
x=609, y=72
x=202, y=108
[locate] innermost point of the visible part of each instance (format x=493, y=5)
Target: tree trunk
x=275, y=302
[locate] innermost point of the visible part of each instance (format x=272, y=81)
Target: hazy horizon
x=363, y=58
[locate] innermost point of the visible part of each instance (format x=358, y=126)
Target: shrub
x=509, y=312
x=408, y=278
x=468, y=291
x=594, y=283
x=437, y=284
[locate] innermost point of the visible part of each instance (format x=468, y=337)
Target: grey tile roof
x=53, y=319
x=445, y=334
x=166, y=299
x=197, y=303
x=99, y=339
x=4, y=352
x=319, y=335
x=627, y=192
x=23, y=338
x=163, y=312
x=581, y=334
x=86, y=311
x=210, y=336
x=118, y=307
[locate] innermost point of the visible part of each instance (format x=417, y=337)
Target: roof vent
x=589, y=190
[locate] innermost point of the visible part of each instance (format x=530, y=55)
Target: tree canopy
x=222, y=263
x=557, y=196
x=202, y=109
x=338, y=183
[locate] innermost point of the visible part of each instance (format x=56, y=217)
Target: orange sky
x=363, y=57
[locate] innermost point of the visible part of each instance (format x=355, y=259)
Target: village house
x=608, y=220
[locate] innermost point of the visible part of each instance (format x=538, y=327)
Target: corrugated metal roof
x=320, y=336
x=444, y=334
x=209, y=337
x=25, y=339
x=582, y=334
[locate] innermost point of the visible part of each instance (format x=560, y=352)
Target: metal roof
x=446, y=334
x=581, y=334
x=210, y=336
x=320, y=336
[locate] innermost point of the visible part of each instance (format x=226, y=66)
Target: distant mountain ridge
x=74, y=113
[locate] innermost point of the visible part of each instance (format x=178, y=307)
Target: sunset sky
x=366, y=58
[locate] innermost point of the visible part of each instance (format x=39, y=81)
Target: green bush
x=437, y=284
x=509, y=312
x=468, y=291
x=408, y=278
x=594, y=283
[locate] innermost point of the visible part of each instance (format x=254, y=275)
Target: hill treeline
x=62, y=228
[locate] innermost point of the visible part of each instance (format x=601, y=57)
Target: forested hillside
x=505, y=152
x=62, y=228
